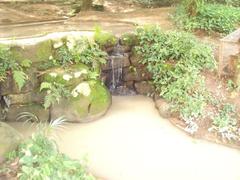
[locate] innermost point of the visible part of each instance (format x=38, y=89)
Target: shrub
x=104, y=39
x=175, y=60
x=9, y=66
x=210, y=17
x=39, y=158
x=77, y=51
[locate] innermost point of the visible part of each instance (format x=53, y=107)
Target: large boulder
x=36, y=109
x=90, y=100
x=67, y=76
x=9, y=139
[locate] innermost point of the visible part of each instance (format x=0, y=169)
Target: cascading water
x=115, y=81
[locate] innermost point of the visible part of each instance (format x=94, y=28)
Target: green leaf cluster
x=175, y=60
x=210, y=17
x=55, y=91
x=9, y=66
x=39, y=158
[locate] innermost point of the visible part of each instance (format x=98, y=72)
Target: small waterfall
x=115, y=82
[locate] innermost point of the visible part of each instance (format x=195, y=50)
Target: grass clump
x=209, y=17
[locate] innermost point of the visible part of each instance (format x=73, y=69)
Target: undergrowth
x=10, y=67
x=38, y=157
x=175, y=60
x=209, y=17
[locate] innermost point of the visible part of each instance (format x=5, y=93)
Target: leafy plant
x=39, y=158
x=225, y=122
x=210, y=17
x=104, y=38
x=79, y=51
x=175, y=60
x=55, y=91
x=9, y=66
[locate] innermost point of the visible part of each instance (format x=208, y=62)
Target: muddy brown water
x=132, y=142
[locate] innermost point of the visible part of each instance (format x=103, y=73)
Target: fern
x=55, y=91
x=20, y=78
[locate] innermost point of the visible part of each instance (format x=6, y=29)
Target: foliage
x=175, y=60
x=39, y=157
x=9, y=66
x=235, y=3
x=129, y=39
x=210, y=17
x=76, y=51
x=225, y=122
x=193, y=7
x=104, y=38
x=55, y=91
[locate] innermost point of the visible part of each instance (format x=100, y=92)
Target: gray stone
x=164, y=108
x=26, y=98
x=123, y=59
x=9, y=139
x=135, y=59
x=136, y=74
x=144, y=87
x=36, y=109
x=9, y=86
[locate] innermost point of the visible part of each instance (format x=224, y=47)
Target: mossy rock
x=84, y=107
x=67, y=76
x=9, y=86
x=36, y=53
x=36, y=109
x=9, y=139
x=129, y=39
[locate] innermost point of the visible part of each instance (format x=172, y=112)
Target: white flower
x=50, y=58
x=53, y=74
x=83, y=88
x=79, y=73
x=57, y=44
x=67, y=77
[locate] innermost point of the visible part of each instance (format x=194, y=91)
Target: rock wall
x=78, y=108
x=134, y=75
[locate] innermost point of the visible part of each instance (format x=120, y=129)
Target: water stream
x=115, y=82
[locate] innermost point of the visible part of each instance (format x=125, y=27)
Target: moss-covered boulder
x=67, y=76
x=36, y=53
x=36, y=109
x=9, y=138
x=90, y=100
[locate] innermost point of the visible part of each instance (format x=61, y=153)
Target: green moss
x=104, y=39
x=57, y=74
x=99, y=97
x=96, y=103
x=37, y=53
x=129, y=39
x=44, y=50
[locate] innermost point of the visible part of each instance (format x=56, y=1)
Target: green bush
x=39, y=158
x=211, y=17
x=175, y=60
x=10, y=66
x=235, y=3
x=104, y=39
